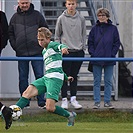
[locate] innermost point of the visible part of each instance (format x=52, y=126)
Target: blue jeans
x=108, y=76
x=23, y=68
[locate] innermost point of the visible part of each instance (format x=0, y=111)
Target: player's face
x=24, y=5
x=71, y=6
x=43, y=42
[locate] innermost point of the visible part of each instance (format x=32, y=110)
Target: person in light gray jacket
x=71, y=31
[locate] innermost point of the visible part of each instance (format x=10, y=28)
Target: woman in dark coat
x=3, y=30
x=103, y=42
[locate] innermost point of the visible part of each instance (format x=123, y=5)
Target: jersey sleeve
x=57, y=46
x=61, y=46
x=65, y=77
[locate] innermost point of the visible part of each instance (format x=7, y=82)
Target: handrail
x=93, y=10
x=114, y=13
x=115, y=82
x=119, y=59
x=105, y=4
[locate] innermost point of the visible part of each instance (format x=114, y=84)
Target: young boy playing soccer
x=7, y=114
x=52, y=81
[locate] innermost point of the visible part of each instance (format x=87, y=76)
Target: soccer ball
x=17, y=112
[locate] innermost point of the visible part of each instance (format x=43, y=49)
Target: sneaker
x=75, y=104
x=96, y=106
x=42, y=106
x=71, y=119
x=7, y=114
x=64, y=103
x=108, y=105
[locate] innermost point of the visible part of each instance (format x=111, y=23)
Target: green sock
x=60, y=111
x=22, y=102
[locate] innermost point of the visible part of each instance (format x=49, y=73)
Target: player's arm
x=65, y=77
x=69, y=78
x=63, y=48
x=60, y=47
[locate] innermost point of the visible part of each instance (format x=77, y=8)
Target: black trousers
x=71, y=68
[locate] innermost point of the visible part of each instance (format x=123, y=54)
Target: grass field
x=60, y=127
x=87, y=122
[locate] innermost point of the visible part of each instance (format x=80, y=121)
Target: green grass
x=87, y=122
x=87, y=116
x=60, y=127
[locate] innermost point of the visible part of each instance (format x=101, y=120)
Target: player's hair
x=104, y=11
x=29, y=1
x=72, y=0
x=44, y=32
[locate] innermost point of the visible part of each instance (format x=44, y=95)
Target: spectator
x=3, y=30
x=23, y=38
x=7, y=114
x=103, y=41
x=71, y=30
x=5, y=111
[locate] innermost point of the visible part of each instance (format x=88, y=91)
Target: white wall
x=124, y=10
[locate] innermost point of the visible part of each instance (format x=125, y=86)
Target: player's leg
x=7, y=114
x=30, y=92
x=69, y=115
x=37, y=87
x=50, y=106
x=53, y=90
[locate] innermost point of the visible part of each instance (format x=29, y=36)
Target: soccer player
x=52, y=81
x=7, y=114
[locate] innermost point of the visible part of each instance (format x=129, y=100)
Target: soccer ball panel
x=17, y=112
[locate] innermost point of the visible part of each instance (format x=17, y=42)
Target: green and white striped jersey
x=52, y=57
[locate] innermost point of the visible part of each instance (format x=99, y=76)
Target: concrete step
x=62, y=1
x=88, y=27
x=57, y=8
x=55, y=17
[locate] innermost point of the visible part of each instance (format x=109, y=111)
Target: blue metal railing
x=119, y=59
x=115, y=76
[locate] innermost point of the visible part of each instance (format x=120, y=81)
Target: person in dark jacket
x=23, y=39
x=103, y=41
x=3, y=31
